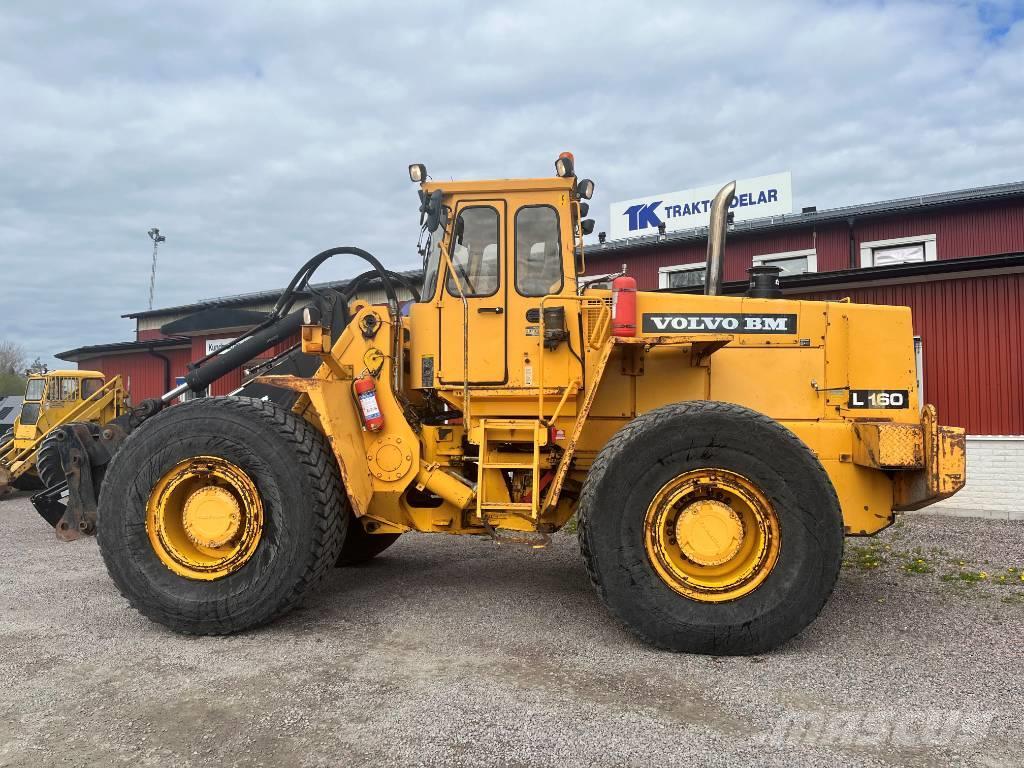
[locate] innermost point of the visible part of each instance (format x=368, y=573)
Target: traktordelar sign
x=756, y=198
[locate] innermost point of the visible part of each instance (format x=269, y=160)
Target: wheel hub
x=711, y=535
x=709, y=532
x=211, y=517
x=204, y=518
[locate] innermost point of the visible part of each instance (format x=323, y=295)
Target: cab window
x=474, y=252
x=90, y=387
x=34, y=390
x=63, y=388
x=538, y=251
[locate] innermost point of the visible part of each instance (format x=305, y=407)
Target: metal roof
x=255, y=297
x=122, y=346
x=1011, y=190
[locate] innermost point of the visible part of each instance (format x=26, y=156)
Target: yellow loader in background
x=715, y=449
x=53, y=399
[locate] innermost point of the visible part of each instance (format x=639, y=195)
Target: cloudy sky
x=255, y=134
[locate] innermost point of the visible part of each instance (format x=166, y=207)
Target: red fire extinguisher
x=366, y=392
x=624, y=306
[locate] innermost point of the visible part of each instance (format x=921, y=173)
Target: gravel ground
x=460, y=652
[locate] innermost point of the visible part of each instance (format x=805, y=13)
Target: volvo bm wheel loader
x=715, y=449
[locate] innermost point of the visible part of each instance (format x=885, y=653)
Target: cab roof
x=547, y=184
x=72, y=374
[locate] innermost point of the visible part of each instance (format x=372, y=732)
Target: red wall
x=972, y=331
x=967, y=231
x=142, y=373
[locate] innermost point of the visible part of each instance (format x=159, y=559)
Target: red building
x=957, y=259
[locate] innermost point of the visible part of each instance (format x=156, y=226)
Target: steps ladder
x=494, y=432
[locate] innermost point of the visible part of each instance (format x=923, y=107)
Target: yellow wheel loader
x=714, y=449
x=28, y=460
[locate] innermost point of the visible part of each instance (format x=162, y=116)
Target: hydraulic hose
x=278, y=326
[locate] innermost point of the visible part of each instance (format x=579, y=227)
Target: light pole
x=157, y=238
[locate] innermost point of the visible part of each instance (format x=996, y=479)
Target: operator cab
x=56, y=392
x=495, y=254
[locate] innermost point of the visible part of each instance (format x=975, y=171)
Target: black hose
x=357, y=283
x=302, y=277
x=278, y=326
x=298, y=283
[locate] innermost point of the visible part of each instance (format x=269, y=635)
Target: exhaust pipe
x=716, y=238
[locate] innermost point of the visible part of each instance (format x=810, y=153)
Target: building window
x=900, y=250
x=682, y=276
x=791, y=262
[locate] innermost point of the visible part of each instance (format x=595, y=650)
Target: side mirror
x=433, y=206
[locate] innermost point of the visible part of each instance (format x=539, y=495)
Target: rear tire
x=303, y=516
x=678, y=440
x=48, y=463
x=360, y=546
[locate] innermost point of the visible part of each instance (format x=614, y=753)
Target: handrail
x=450, y=270
x=540, y=353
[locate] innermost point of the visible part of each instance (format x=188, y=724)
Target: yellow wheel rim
x=711, y=535
x=204, y=518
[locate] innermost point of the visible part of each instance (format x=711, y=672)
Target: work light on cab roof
x=565, y=165
x=417, y=172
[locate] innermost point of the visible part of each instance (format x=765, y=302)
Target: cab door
x=477, y=252
x=540, y=270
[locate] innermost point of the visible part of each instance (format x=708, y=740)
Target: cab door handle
x=495, y=310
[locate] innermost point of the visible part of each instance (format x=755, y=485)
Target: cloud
x=255, y=135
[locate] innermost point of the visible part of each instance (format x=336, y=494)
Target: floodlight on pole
x=157, y=238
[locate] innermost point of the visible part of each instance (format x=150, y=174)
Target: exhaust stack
x=716, y=238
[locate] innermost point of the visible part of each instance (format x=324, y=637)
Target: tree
x=12, y=368
x=12, y=358
x=37, y=367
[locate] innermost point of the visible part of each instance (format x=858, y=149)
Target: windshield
x=34, y=390
x=431, y=266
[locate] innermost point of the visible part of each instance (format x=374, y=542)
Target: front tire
x=221, y=514
x=709, y=528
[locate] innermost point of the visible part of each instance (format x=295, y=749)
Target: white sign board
x=756, y=198
x=213, y=346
